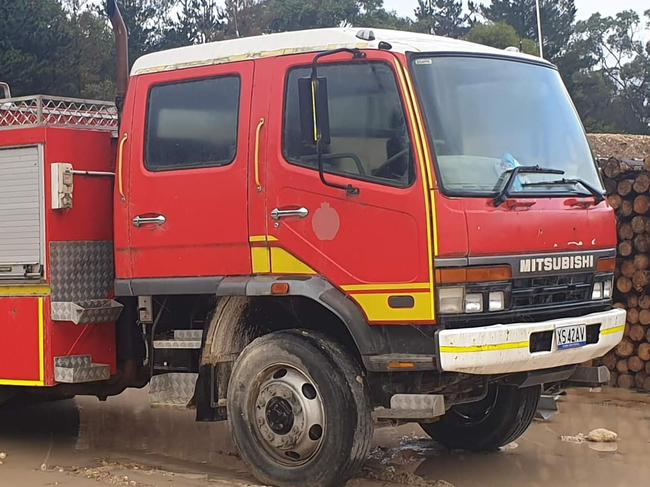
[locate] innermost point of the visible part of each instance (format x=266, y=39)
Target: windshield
x=487, y=116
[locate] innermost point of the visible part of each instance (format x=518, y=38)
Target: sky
x=585, y=7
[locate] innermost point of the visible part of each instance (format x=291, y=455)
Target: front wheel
x=500, y=418
x=298, y=410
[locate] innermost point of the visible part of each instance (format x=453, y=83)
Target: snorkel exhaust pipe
x=122, y=52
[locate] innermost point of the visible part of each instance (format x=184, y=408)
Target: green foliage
x=35, y=42
x=65, y=47
x=442, y=17
x=558, y=17
x=611, y=51
x=501, y=35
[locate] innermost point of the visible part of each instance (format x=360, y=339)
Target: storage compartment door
x=21, y=341
x=21, y=235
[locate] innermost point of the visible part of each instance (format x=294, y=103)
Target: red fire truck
x=307, y=233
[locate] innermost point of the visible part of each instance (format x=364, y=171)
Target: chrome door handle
x=138, y=221
x=301, y=212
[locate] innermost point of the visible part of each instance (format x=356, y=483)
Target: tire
x=299, y=411
x=500, y=418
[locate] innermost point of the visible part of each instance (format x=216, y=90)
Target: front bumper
x=502, y=349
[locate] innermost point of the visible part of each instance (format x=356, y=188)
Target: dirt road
x=125, y=442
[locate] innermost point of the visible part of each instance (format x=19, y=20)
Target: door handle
x=301, y=212
x=138, y=221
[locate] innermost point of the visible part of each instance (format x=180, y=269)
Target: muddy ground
x=124, y=442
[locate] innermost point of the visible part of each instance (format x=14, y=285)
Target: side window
x=192, y=124
x=369, y=134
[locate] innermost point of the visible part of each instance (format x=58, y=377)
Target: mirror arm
x=356, y=54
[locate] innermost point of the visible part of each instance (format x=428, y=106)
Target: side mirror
x=314, y=110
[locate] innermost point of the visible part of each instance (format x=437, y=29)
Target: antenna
x=539, y=28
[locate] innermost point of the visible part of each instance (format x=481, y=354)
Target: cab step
x=183, y=339
x=174, y=389
x=77, y=369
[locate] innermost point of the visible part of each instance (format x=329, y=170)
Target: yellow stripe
x=41, y=356
x=41, y=344
x=423, y=161
x=24, y=383
x=262, y=238
x=485, y=348
x=24, y=290
x=385, y=287
x=611, y=331
x=282, y=262
x=376, y=307
x=427, y=156
x=260, y=260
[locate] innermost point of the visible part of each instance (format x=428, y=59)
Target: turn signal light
x=606, y=264
x=401, y=365
x=280, y=288
x=473, y=274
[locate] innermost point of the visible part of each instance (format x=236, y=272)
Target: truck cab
x=317, y=231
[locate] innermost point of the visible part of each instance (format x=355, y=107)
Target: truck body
x=309, y=232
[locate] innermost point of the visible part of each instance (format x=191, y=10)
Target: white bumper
x=500, y=349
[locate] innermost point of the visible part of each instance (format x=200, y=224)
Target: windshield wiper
x=504, y=193
x=598, y=195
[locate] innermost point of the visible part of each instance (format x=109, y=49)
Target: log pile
x=627, y=183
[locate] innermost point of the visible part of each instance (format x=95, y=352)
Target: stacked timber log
x=627, y=183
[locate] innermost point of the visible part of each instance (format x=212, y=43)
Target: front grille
x=531, y=292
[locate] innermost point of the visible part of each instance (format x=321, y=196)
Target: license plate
x=571, y=336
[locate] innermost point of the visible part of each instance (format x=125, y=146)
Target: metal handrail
x=44, y=110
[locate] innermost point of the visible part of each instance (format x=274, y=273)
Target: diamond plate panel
x=84, y=312
x=181, y=344
x=79, y=374
x=188, y=334
x=81, y=271
x=73, y=361
x=173, y=389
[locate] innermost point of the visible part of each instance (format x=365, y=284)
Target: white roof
x=304, y=41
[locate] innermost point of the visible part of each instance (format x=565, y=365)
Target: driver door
x=371, y=242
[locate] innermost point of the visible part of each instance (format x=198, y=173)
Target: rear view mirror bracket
x=314, y=115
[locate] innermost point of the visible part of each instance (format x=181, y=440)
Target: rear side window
x=369, y=135
x=192, y=124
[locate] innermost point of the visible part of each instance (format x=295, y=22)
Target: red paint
x=90, y=218
x=548, y=226
x=19, y=356
x=382, y=233
x=206, y=228
x=376, y=237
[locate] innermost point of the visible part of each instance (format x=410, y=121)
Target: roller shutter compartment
x=21, y=206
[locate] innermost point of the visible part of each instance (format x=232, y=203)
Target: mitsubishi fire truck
x=306, y=234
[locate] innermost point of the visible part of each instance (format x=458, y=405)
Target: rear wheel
x=298, y=410
x=500, y=418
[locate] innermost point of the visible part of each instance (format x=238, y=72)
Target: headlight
x=451, y=299
x=597, y=292
x=497, y=301
x=473, y=303
x=607, y=289
x=603, y=287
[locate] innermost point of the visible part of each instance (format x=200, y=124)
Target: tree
x=35, y=42
x=92, y=53
x=558, y=17
x=287, y=15
x=146, y=21
x=442, y=17
x=612, y=48
x=501, y=36
x=198, y=21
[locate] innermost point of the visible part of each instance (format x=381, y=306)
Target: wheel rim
x=289, y=415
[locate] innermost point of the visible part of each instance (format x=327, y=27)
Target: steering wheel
x=391, y=159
